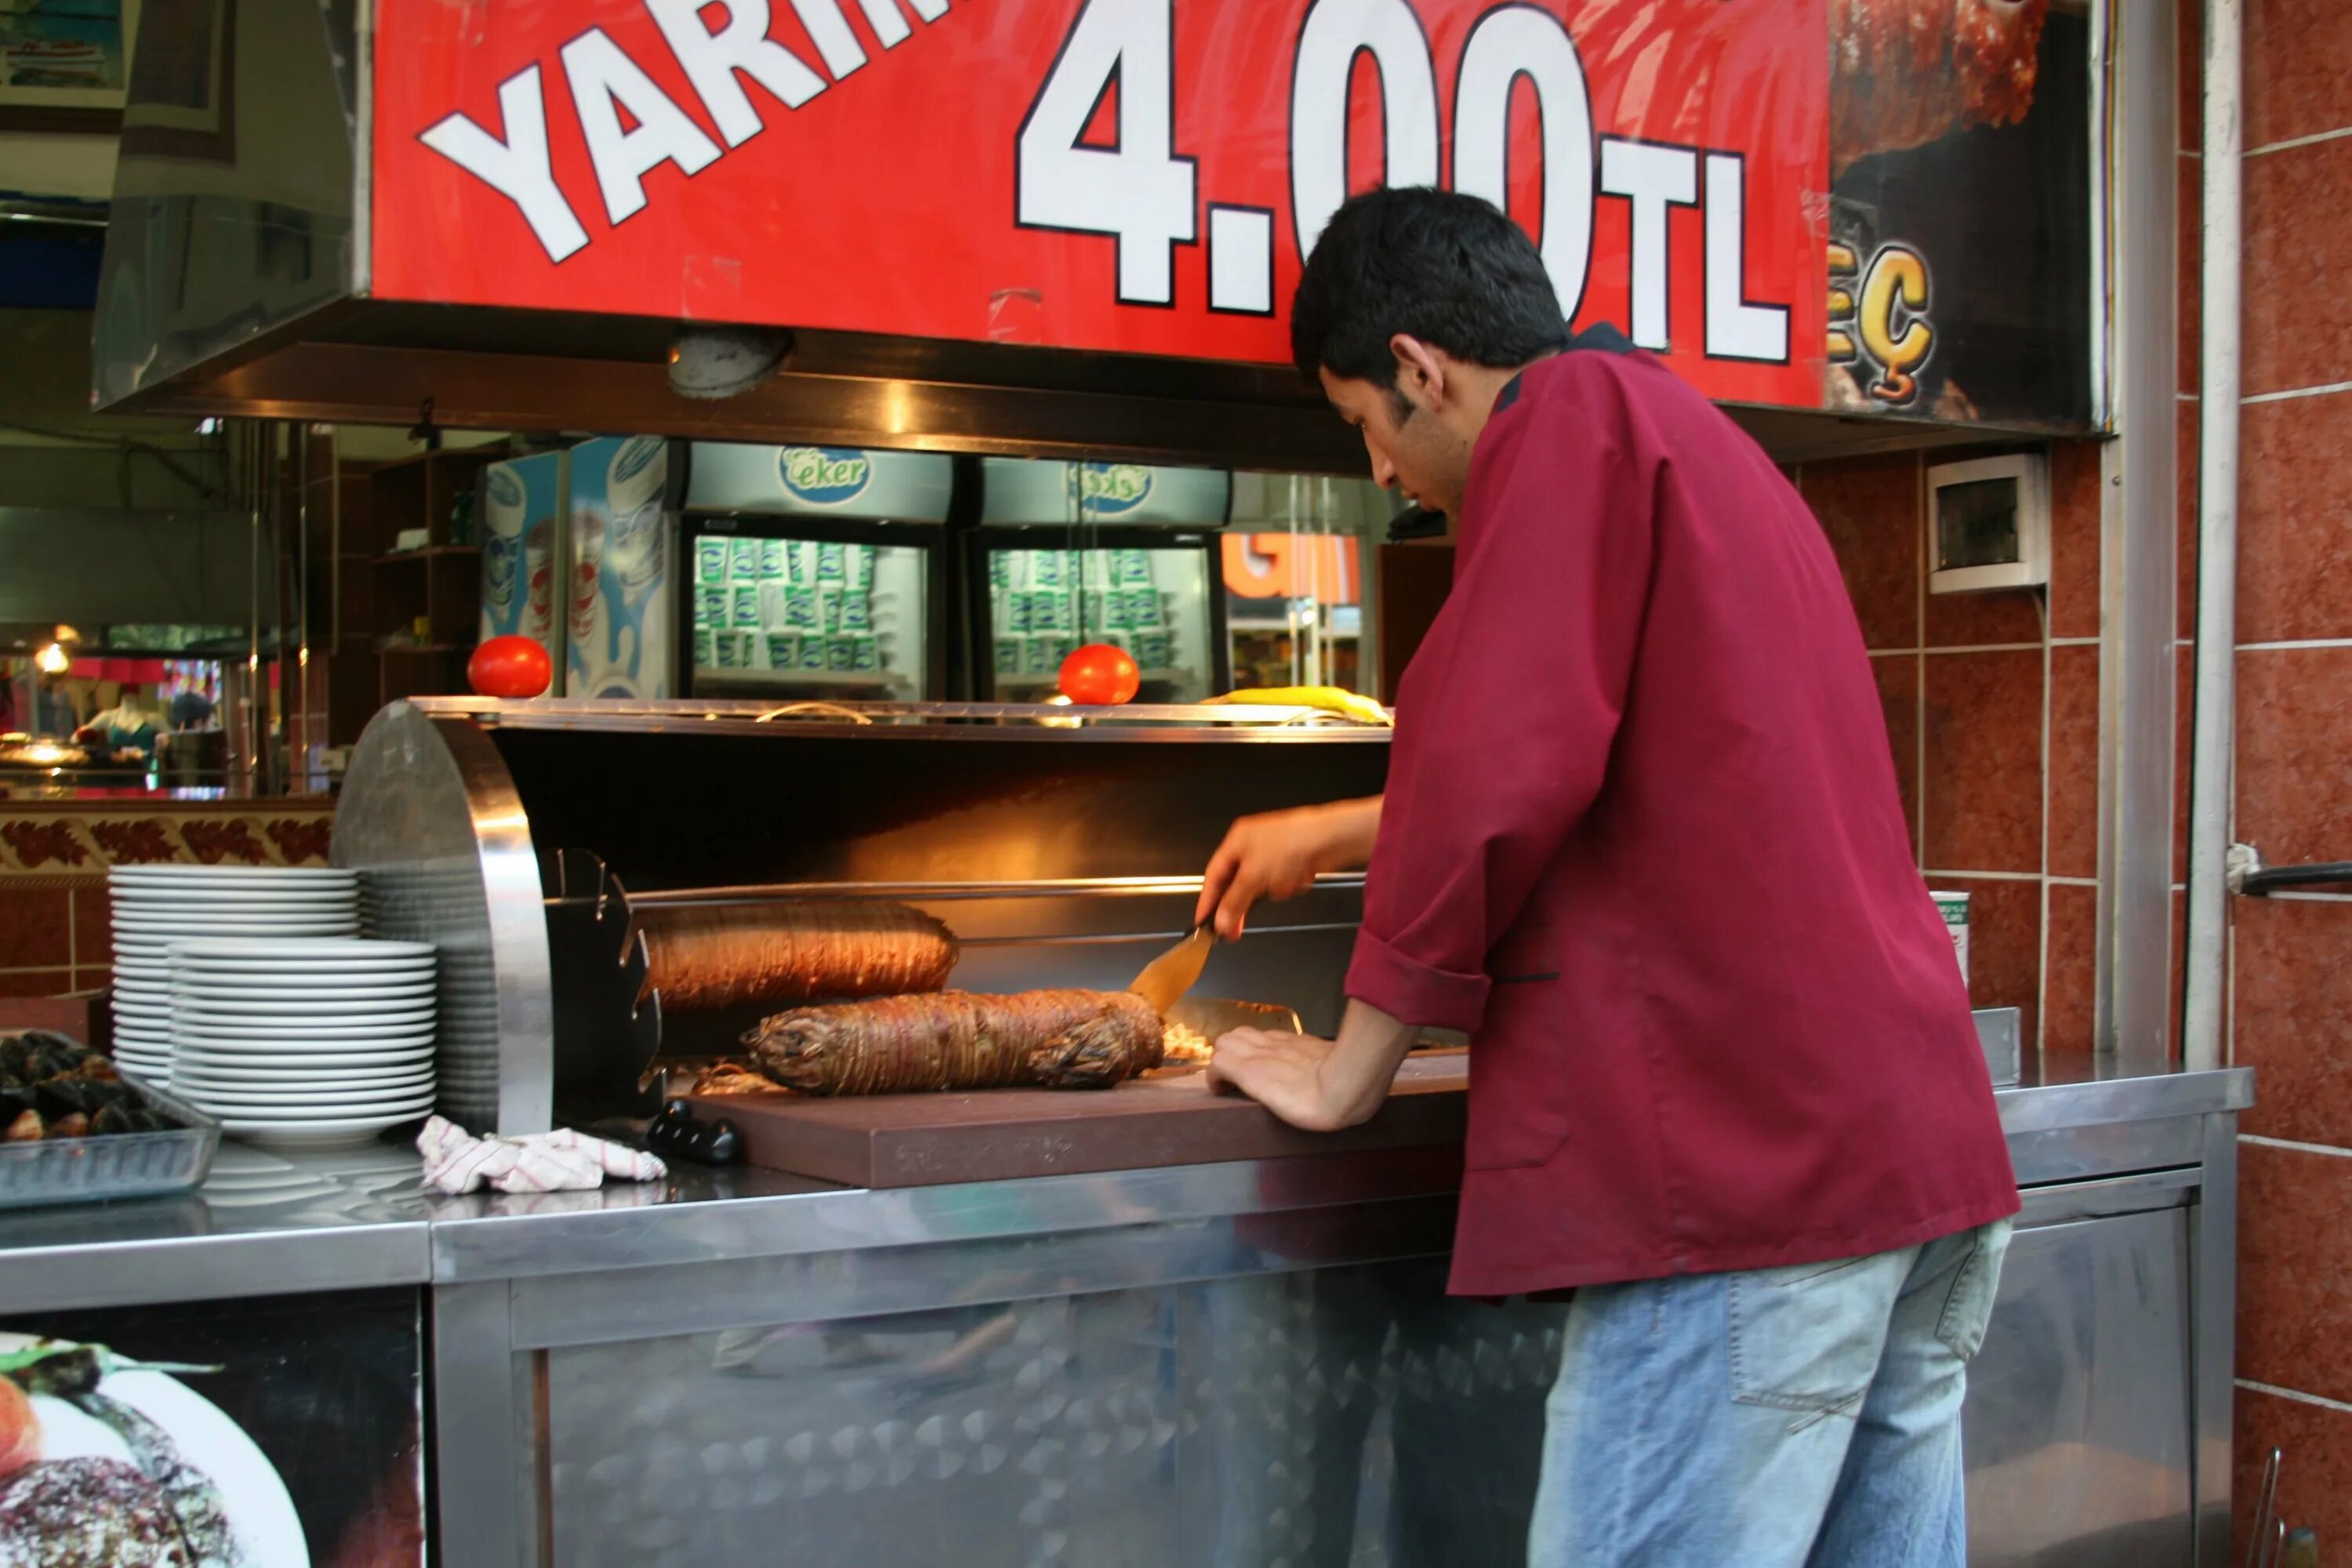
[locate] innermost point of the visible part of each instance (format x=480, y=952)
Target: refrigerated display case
x=1069, y=553
x=816, y=573
x=1039, y=591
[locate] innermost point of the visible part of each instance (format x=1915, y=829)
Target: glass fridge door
x=1155, y=599
x=808, y=617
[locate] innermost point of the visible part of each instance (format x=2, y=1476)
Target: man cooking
x=1641, y=839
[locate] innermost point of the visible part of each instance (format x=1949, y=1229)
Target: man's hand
x=1320, y=1084
x=1282, y=1072
x=1278, y=855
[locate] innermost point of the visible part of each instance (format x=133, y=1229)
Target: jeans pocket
x=1807, y=1337
x=1968, y=1305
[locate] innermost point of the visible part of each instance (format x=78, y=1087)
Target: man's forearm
x=1370, y=1047
x=1355, y=828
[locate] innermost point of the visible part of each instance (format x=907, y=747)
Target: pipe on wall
x=2210, y=788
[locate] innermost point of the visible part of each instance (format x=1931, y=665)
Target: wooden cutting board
x=925, y=1140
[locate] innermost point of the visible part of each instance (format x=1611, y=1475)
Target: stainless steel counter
x=268, y=1224
x=1226, y=1362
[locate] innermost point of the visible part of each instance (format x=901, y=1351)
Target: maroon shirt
x=1642, y=840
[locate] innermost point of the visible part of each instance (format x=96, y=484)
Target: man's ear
x=1421, y=375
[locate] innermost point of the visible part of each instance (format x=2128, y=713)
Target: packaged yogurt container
x=1954, y=908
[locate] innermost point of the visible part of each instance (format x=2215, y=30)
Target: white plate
x=306, y=1054
x=165, y=893
x=239, y=1098
x=278, y=1104
x=155, y=946
x=201, y=921
x=299, y=985
x=232, y=1036
x=301, y=1102
x=198, y=924
x=327, y=1009
x=286, y=1012
x=240, y=876
x=326, y=1133
x=258, y=1051
x=339, y=1068
x=289, y=1111
x=277, y=999
x=203, y=1026
x=215, y=1061
x=305, y=1080
x=295, y=962
x=141, y=948
x=311, y=952
x=306, y=977
x=286, y=901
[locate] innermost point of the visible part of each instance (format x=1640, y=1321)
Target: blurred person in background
x=131, y=725
x=192, y=710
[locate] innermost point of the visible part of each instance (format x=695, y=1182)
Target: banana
x=1329, y=698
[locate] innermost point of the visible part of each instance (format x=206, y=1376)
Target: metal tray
x=115, y=1165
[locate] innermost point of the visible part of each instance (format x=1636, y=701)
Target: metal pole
x=250, y=733
x=2217, y=543
x=302, y=590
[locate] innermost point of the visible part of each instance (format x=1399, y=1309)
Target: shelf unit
x=432, y=594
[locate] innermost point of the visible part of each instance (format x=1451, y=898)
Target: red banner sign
x=1138, y=175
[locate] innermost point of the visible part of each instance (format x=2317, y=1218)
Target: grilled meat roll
x=956, y=1039
x=700, y=959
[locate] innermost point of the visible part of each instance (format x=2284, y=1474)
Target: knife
x=1166, y=978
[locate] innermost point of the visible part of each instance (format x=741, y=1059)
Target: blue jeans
x=1807, y=1417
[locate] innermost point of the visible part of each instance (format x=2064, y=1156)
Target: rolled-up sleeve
x=1506, y=717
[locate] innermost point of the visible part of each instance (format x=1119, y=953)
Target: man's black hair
x=1447, y=268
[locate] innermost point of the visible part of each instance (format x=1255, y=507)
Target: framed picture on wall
x=65, y=65
x=182, y=100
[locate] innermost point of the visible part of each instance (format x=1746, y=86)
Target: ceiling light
x=51, y=659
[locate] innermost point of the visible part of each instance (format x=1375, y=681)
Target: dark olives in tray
x=53, y=1087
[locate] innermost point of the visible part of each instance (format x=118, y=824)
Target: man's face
x=1413, y=452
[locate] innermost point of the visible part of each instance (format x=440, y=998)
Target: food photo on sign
x=1959, y=257
x=190, y=1437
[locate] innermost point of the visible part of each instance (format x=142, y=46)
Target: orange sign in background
x=1293, y=566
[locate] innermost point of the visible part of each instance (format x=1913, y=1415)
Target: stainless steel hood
x=236, y=284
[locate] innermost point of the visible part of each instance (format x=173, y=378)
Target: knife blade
x=1166, y=978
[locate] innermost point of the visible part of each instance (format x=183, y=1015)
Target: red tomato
x=509, y=666
x=1100, y=676
x=20, y=1429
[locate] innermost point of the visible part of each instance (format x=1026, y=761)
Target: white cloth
x=562, y=1160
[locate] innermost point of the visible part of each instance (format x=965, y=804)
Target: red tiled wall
x=53, y=939
x=1992, y=709
x=53, y=861
x=2291, y=957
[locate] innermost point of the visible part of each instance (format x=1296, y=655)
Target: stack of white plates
x=304, y=1042
x=154, y=906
